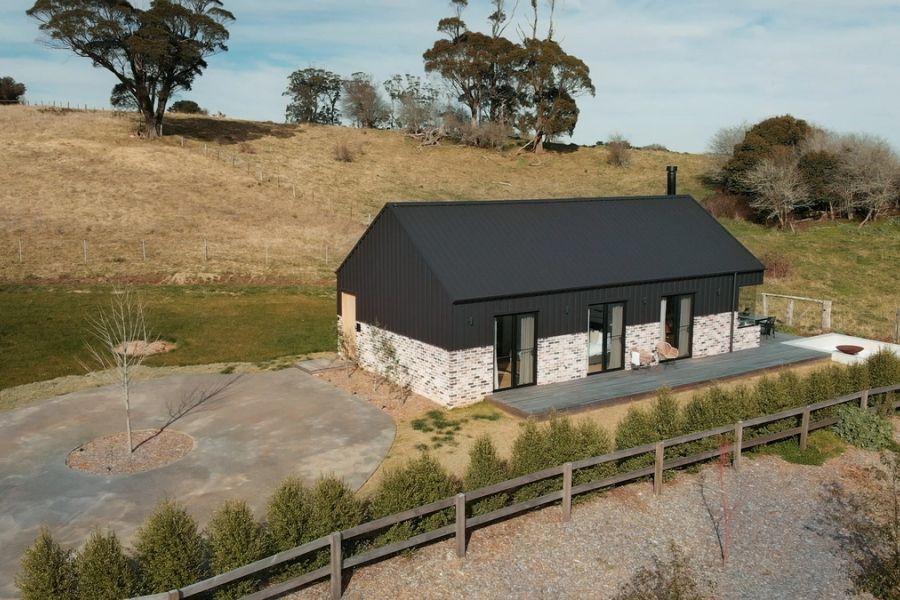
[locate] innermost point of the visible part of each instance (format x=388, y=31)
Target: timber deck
x=602, y=389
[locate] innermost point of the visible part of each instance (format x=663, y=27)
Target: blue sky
x=666, y=72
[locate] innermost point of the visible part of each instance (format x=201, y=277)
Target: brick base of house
x=462, y=377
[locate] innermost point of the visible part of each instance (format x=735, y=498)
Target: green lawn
x=42, y=328
x=855, y=267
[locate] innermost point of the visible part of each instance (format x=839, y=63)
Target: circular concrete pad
x=251, y=432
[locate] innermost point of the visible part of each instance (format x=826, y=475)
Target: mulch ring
x=145, y=348
x=109, y=455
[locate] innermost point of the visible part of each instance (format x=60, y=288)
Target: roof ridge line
x=416, y=203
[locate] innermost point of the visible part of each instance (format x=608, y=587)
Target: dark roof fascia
x=601, y=287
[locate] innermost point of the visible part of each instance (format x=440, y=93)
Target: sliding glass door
x=677, y=320
x=515, y=354
x=606, y=343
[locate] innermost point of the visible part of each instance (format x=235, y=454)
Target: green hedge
x=171, y=552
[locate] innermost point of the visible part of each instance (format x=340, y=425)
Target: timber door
x=348, y=323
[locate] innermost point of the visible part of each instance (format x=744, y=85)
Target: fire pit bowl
x=850, y=349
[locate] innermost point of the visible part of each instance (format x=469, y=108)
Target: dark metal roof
x=494, y=249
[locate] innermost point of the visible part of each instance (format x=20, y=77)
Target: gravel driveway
x=782, y=546
x=250, y=431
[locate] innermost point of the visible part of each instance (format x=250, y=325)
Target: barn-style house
x=460, y=300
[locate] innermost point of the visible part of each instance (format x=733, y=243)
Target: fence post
x=294, y=191
x=20, y=251
x=567, y=492
x=144, y=250
x=461, y=525
x=765, y=299
x=864, y=400
x=205, y=250
x=738, y=445
x=84, y=250
x=658, y=471
x=804, y=429
x=826, y=315
x=789, y=318
x=337, y=566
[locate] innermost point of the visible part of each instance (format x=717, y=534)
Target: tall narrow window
x=677, y=320
x=515, y=352
x=606, y=323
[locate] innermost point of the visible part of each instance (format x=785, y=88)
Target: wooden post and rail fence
x=791, y=300
x=463, y=524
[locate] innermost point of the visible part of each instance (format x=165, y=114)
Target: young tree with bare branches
x=117, y=337
x=778, y=188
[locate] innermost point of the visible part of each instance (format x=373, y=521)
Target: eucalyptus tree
x=154, y=52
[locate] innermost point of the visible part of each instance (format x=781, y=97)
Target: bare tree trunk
x=127, y=398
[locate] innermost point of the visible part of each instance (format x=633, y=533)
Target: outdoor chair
x=767, y=326
x=666, y=351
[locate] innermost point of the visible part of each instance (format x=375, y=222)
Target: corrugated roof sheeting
x=482, y=250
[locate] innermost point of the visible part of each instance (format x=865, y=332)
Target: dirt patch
x=145, y=348
x=109, y=455
x=400, y=405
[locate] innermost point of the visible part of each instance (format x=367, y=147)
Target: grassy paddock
x=42, y=331
x=855, y=267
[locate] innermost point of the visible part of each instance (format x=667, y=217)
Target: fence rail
x=791, y=300
x=463, y=524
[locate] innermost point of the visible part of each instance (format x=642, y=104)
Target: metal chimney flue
x=672, y=180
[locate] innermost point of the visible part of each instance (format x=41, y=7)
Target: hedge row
x=170, y=551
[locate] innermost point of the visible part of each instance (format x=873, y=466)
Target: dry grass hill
x=270, y=200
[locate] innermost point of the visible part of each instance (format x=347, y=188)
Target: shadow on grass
x=227, y=132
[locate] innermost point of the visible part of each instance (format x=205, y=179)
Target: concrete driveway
x=250, y=432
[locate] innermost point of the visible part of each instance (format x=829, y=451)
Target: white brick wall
x=746, y=337
x=713, y=332
x=466, y=376
x=562, y=358
x=641, y=337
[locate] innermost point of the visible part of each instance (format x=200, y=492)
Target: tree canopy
x=11, y=91
x=314, y=96
x=154, y=52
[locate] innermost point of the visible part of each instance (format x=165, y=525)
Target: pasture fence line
x=823, y=305
x=731, y=440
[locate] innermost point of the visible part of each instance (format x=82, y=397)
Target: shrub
x=288, y=515
x=485, y=468
x=665, y=415
x=235, y=539
x=863, y=429
x=333, y=507
x=103, y=570
x=618, y=151
x=187, y=107
x=170, y=550
x=777, y=265
x=673, y=579
x=343, y=153
x=11, y=91
x=47, y=571
x=421, y=481
x=528, y=451
x=635, y=429
x=884, y=368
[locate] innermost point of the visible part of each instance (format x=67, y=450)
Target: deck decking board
x=609, y=388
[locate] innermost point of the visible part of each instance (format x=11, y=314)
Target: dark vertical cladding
x=394, y=288
x=567, y=312
x=671, y=180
